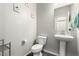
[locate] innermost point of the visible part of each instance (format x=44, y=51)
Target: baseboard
x=27, y=53
x=50, y=52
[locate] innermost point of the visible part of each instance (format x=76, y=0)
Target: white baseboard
x=27, y=53
x=56, y=54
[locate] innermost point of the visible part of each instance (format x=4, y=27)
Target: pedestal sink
x=63, y=39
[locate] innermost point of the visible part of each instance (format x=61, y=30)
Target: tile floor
x=44, y=54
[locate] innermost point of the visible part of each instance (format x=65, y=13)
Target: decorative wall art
x=16, y=7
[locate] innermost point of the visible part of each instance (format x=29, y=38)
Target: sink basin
x=63, y=37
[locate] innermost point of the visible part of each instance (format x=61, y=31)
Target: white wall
x=75, y=11
x=77, y=31
x=45, y=25
x=18, y=26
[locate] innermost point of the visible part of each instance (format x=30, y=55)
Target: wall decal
x=16, y=7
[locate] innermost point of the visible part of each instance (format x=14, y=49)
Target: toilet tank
x=41, y=40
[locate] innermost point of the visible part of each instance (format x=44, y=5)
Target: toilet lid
x=37, y=46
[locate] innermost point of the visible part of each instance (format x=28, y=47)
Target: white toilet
x=37, y=48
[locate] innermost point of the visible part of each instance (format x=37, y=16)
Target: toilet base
x=37, y=54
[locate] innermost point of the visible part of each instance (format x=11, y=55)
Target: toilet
x=37, y=48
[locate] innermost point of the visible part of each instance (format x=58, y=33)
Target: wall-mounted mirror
x=63, y=21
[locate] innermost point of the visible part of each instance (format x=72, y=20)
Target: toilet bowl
x=37, y=48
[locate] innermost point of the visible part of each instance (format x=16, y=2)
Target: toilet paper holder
x=23, y=42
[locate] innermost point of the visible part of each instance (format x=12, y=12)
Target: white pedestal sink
x=63, y=39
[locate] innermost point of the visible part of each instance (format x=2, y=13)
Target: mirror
x=63, y=25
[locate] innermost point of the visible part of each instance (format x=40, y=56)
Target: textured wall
x=18, y=26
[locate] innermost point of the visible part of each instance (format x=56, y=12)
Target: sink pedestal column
x=62, y=50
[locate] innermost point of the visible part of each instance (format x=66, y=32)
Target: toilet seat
x=37, y=48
